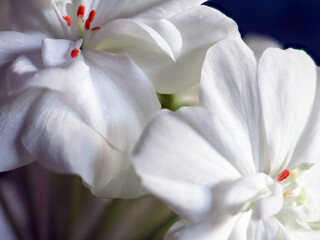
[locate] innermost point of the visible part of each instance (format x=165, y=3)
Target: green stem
x=11, y=220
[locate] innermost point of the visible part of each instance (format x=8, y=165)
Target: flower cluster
x=78, y=94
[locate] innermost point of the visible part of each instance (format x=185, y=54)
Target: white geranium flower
x=73, y=99
x=246, y=166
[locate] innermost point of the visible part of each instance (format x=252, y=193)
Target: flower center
x=292, y=191
x=85, y=25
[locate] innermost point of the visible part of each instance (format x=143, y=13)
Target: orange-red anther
x=87, y=24
x=96, y=28
x=81, y=11
x=92, y=15
x=283, y=175
x=75, y=53
x=68, y=20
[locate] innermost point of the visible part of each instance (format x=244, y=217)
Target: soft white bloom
x=72, y=98
x=257, y=43
x=246, y=166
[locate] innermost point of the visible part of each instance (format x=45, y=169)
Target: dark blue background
x=295, y=23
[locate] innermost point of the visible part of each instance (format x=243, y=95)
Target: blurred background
x=37, y=204
x=294, y=23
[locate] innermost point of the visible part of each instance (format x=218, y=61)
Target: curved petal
x=39, y=15
x=57, y=52
x=126, y=35
x=175, y=158
x=287, y=85
x=24, y=74
x=199, y=28
x=266, y=230
x=167, y=9
x=228, y=88
x=112, y=9
x=58, y=138
x=13, y=44
x=13, y=112
x=219, y=228
x=307, y=149
x=309, y=210
x=122, y=98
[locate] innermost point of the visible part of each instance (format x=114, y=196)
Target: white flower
x=257, y=43
x=246, y=166
x=70, y=95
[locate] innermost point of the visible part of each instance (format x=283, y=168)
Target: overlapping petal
x=228, y=88
x=287, y=86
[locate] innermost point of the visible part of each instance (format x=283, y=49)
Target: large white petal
x=13, y=44
x=112, y=9
x=39, y=15
x=228, y=88
x=167, y=9
x=307, y=149
x=178, y=163
x=13, y=112
x=124, y=98
x=219, y=228
x=126, y=35
x=24, y=74
x=59, y=139
x=199, y=29
x=287, y=85
x=170, y=51
x=270, y=229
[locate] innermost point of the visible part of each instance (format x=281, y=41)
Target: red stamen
x=75, y=53
x=81, y=11
x=92, y=15
x=68, y=20
x=283, y=175
x=87, y=24
x=96, y=28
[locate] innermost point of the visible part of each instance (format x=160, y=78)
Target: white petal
x=39, y=15
x=13, y=44
x=199, y=28
x=122, y=100
x=24, y=74
x=13, y=112
x=112, y=9
x=228, y=88
x=218, y=228
x=287, y=84
x=309, y=211
x=57, y=52
x=270, y=205
x=178, y=163
x=126, y=35
x=57, y=137
x=266, y=230
x=167, y=9
x=237, y=196
x=259, y=43
x=307, y=149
